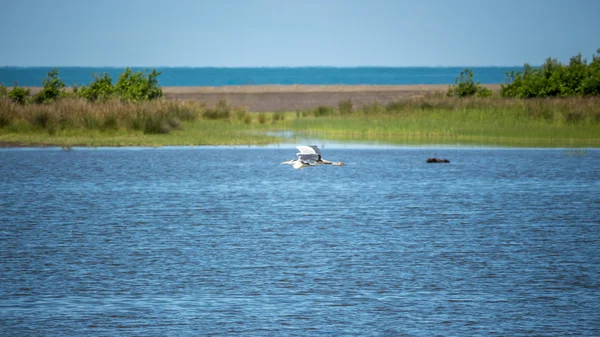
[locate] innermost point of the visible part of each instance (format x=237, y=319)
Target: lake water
x=186, y=76
x=226, y=241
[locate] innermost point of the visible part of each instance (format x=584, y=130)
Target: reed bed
x=438, y=119
x=554, y=122
x=73, y=121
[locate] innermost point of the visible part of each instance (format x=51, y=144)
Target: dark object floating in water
x=437, y=160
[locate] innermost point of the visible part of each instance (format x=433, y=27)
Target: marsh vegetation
x=555, y=105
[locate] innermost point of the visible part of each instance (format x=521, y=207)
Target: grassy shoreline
x=433, y=118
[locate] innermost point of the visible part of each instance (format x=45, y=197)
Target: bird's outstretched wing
x=308, y=149
x=316, y=149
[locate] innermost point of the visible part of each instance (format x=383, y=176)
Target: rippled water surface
x=223, y=241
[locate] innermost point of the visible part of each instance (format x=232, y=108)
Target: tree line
x=130, y=86
x=552, y=79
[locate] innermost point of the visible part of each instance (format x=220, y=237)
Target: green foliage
x=138, y=86
x=131, y=86
x=554, y=79
x=466, y=86
x=591, y=84
x=53, y=88
x=100, y=89
x=19, y=94
x=3, y=91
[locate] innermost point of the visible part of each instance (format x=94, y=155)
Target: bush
x=466, y=86
x=591, y=84
x=53, y=88
x=19, y=94
x=483, y=92
x=553, y=79
x=138, y=86
x=100, y=89
x=3, y=91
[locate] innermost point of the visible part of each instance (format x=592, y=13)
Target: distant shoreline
x=273, y=98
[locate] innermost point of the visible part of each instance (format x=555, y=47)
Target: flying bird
x=310, y=156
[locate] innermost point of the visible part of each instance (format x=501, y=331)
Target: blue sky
x=250, y=33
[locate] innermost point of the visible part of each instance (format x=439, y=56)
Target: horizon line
x=265, y=67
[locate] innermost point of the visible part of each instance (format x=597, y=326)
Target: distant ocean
x=183, y=76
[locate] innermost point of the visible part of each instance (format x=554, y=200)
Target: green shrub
x=101, y=88
x=553, y=79
x=19, y=94
x=53, y=88
x=591, y=84
x=466, y=86
x=484, y=92
x=138, y=86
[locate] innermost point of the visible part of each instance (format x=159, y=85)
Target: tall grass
x=75, y=121
x=434, y=118
x=439, y=119
x=72, y=113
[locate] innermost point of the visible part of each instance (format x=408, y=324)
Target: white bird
x=310, y=156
